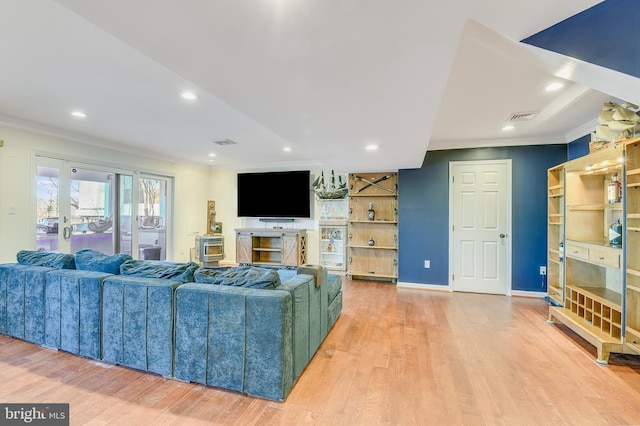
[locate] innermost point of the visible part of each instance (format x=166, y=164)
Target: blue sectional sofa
x=73, y=311
x=254, y=340
x=246, y=329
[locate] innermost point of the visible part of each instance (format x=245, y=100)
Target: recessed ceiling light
x=189, y=96
x=508, y=127
x=212, y=154
x=286, y=149
x=371, y=147
x=79, y=114
x=554, y=86
x=211, y=160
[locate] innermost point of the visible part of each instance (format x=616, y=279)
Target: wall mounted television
x=275, y=194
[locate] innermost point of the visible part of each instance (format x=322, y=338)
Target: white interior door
x=480, y=217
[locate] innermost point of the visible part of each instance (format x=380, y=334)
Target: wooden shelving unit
x=602, y=282
x=631, y=243
x=333, y=248
x=593, y=271
x=266, y=247
x=373, y=244
x=333, y=234
x=555, y=235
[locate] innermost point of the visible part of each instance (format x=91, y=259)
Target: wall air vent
x=224, y=142
x=522, y=116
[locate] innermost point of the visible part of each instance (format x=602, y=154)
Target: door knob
x=503, y=235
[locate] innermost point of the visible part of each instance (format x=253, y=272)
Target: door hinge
x=452, y=277
x=453, y=179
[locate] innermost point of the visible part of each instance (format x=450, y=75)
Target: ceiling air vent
x=522, y=116
x=224, y=142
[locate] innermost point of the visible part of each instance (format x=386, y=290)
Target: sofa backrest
x=307, y=318
x=235, y=338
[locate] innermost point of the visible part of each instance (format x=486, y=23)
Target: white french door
x=88, y=206
x=480, y=218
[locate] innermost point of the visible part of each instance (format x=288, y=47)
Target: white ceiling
x=322, y=77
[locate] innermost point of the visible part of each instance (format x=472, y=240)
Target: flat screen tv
x=275, y=194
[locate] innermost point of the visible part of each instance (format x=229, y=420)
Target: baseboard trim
x=416, y=286
x=514, y=293
x=532, y=294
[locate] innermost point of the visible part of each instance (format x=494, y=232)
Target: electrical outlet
x=543, y=270
x=427, y=264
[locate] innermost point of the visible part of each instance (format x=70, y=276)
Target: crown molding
x=581, y=131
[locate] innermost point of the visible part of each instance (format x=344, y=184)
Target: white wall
x=192, y=187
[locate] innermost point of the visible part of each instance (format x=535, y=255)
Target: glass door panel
x=91, y=207
x=47, y=208
x=125, y=203
x=152, y=224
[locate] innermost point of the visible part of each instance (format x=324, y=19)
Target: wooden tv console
x=271, y=247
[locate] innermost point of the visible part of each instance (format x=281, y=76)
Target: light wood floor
x=397, y=357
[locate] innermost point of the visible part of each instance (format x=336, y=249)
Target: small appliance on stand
x=209, y=248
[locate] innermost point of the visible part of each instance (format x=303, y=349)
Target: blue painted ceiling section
x=608, y=34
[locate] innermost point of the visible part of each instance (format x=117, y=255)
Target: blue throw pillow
x=46, y=258
x=157, y=269
x=244, y=276
x=92, y=260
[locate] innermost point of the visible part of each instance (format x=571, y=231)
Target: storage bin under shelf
x=598, y=307
x=595, y=314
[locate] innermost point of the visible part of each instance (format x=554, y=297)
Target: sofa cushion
x=92, y=260
x=46, y=258
x=286, y=274
x=155, y=269
x=243, y=276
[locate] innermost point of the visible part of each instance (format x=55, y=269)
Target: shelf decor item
x=616, y=123
x=371, y=213
x=615, y=234
x=331, y=189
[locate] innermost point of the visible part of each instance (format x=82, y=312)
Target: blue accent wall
x=607, y=34
x=423, y=210
x=578, y=148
